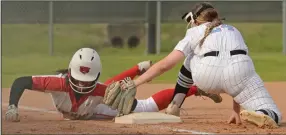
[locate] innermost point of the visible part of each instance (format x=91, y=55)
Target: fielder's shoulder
x=197, y=31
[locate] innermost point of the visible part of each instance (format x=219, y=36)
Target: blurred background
x=39, y=37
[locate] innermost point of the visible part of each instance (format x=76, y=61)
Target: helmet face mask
x=82, y=87
x=84, y=70
x=191, y=17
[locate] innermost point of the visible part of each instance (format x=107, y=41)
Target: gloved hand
x=112, y=95
x=117, y=98
x=126, y=101
x=127, y=84
x=12, y=114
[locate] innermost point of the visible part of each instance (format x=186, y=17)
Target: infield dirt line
x=55, y=112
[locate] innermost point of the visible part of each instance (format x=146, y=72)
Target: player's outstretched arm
x=37, y=83
x=181, y=50
x=156, y=70
x=17, y=89
x=160, y=67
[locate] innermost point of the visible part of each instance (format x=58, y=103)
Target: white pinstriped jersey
x=222, y=38
x=234, y=75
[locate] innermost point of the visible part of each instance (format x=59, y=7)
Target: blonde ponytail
x=215, y=22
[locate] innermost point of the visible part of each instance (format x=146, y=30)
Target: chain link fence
x=70, y=12
x=102, y=23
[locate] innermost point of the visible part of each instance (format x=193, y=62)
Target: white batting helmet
x=84, y=70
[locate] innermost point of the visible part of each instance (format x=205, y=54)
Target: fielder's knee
x=185, y=78
x=184, y=83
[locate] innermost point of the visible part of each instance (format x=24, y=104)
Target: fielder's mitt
x=119, y=99
x=128, y=97
x=111, y=93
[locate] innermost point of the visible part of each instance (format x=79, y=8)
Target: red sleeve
x=99, y=90
x=49, y=83
x=132, y=73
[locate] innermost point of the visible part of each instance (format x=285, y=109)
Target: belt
x=233, y=52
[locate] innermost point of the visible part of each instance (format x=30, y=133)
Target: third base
x=147, y=118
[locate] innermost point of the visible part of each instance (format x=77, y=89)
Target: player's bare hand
x=12, y=114
x=234, y=118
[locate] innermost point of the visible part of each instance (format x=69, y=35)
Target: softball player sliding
x=217, y=62
x=77, y=94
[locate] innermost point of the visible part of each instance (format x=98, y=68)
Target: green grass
x=25, y=49
x=22, y=39
x=271, y=67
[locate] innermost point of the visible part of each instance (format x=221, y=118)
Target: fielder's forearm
x=151, y=73
x=160, y=67
x=18, y=87
x=236, y=107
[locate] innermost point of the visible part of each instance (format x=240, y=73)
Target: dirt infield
x=200, y=115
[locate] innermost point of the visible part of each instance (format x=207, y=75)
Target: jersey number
x=223, y=26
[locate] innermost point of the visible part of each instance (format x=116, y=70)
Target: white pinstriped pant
x=234, y=75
